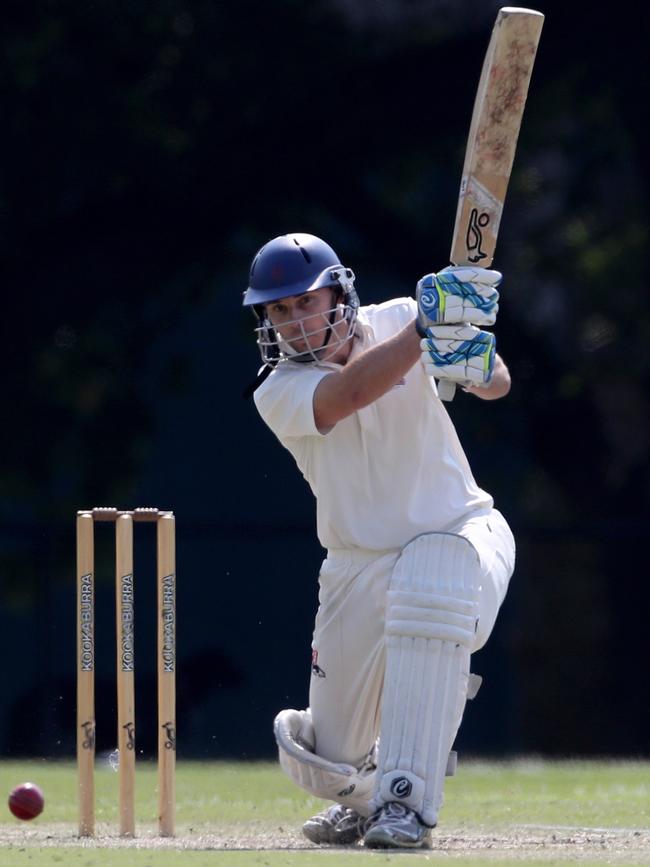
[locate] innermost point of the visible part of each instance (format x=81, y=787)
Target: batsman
x=418, y=559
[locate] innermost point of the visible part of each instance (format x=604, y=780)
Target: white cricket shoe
x=337, y=826
x=396, y=827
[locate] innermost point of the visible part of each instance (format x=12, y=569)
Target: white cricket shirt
x=386, y=473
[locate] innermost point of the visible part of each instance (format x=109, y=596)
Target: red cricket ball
x=26, y=801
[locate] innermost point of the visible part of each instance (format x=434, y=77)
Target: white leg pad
x=350, y=786
x=294, y=735
x=431, y=621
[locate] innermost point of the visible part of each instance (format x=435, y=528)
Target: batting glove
x=463, y=294
x=461, y=353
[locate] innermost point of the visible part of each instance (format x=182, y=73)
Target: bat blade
x=496, y=120
x=492, y=141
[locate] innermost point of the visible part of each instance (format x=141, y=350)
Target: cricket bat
x=492, y=141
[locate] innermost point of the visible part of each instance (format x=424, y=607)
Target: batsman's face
x=304, y=321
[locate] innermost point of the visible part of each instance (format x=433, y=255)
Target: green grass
x=587, y=794
x=243, y=800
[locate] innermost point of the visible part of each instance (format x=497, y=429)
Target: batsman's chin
x=304, y=348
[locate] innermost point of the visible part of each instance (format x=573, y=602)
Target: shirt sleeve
x=286, y=400
x=390, y=317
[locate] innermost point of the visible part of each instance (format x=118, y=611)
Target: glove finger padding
x=458, y=294
x=460, y=353
x=473, y=274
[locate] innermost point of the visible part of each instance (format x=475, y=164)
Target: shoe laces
x=392, y=810
x=395, y=810
x=334, y=814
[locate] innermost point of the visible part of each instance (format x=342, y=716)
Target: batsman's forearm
x=372, y=373
x=366, y=378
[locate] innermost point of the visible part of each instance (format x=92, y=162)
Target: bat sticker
x=474, y=237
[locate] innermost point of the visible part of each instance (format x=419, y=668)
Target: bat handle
x=446, y=389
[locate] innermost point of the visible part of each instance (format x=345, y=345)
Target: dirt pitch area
x=620, y=846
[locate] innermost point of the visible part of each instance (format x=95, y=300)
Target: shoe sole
x=379, y=839
x=316, y=835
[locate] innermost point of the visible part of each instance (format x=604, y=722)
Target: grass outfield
x=235, y=815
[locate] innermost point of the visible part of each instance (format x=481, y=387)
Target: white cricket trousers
x=348, y=644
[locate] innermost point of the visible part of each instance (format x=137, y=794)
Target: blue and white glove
x=458, y=294
x=460, y=353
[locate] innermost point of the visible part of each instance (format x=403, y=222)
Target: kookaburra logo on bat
x=474, y=237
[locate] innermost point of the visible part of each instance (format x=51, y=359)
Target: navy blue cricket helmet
x=293, y=265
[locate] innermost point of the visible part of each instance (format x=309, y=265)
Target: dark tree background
x=149, y=148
